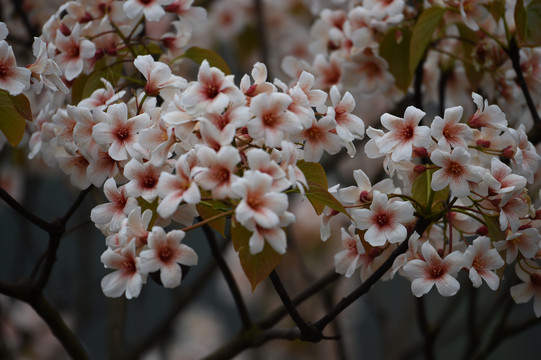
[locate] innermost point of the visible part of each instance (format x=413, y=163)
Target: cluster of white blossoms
x=469, y=178
x=166, y=149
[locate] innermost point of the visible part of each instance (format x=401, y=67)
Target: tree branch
x=34, y=219
x=514, y=54
x=420, y=228
x=226, y=272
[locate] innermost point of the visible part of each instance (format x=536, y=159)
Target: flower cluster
x=468, y=178
x=168, y=150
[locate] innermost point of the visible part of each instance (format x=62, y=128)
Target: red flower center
x=165, y=254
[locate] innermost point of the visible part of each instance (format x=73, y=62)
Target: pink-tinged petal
x=134, y=286
x=256, y=243
x=492, y=280
x=396, y=234
x=447, y=285
x=415, y=269
x=277, y=239
x=187, y=256
x=169, y=204
x=114, y=284
x=362, y=218
x=171, y=275
x=439, y=180
x=420, y=286
x=375, y=237
x=459, y=187
x=475, y=278
x=521, y=293
x=148, y=261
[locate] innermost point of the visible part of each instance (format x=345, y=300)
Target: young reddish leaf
x=394, y=47
x=198, y=54
x=256, y=267
x=14, y=110
x=207, y=212
x=422, y=34
x=317, y=192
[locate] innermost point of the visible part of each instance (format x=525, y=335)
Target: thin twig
x=420, y=228
x=15, y=205
x=514, y=54
x=308, y=333
x=229, y=278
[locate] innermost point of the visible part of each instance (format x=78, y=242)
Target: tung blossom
x=481, y=260
x=455, y=171
x=13, y=79
x=126, y=279
x=433, y=270
x=404, y=134
x=385, y=220
x=259, y=205
x=158, y=75
x=166, y=253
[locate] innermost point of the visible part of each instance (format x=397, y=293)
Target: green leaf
x=317, y=192
x=198, y=54
x=422, y=34
x=14, y=111
x=474, y=76
x=394, y=47
x=84, y=85
x=496, y=9
x=256, y=267
x=493, y=227
x=528, y=22
x=421, y=192
x=208, y=211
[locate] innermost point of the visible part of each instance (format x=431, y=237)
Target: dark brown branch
x=15, y=205
x=514, y=54
x=308, y=333
x=59, y=328
x=75, y=206
x=420, y=228
x=311, y=290
x=229, y=278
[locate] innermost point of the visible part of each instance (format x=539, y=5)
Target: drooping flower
x=111, y=214
x=434, y=270
x=158, y=75
x=531, y=287
x=72, y=52
x=481, y=260
x=126, y=279
x=166, y=253
x=216, y=170
x=259, y=205
x=526, y=241
x=346, y=261
x=13, y=79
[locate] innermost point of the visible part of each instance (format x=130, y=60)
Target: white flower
x=158, y=75
x=13, y=79
x=126, y=278
x=385, y=220
x=166, y=253
x=481, y=260
x=455, y=171
x=434, y=271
